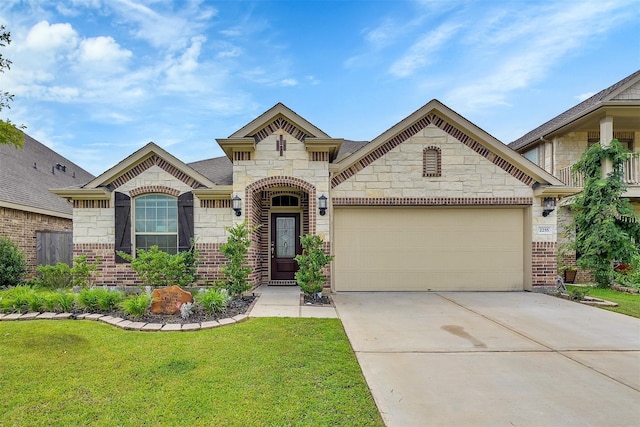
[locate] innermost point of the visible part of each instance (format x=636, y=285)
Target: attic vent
x=61, y=167
x=431, y=162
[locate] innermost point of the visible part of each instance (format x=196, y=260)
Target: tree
x=236, y=250
x=605, y=223
x=9, y=133
x=311, y=263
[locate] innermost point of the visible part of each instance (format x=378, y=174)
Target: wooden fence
x=53, y=247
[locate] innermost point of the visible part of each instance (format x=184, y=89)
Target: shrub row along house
x=558, y=144
x=30, y=215
x=433, y=203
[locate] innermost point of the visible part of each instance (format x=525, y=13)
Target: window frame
x=134, y=224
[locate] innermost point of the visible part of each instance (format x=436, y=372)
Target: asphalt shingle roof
x=570, y=114
x=27, y=175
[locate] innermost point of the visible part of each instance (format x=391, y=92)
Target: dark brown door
x=285, y=245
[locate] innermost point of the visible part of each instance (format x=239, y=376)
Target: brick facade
x=543, y=264
x=21, y=227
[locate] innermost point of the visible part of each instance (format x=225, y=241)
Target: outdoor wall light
x=322, y=204
x=548, y=204
x=237, y=205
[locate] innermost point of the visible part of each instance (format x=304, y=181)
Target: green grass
x=628, y=304
x=261, y=372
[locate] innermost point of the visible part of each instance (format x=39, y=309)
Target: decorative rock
x=152, y=327
x=168, y=300
x=190, y=327
x=1, y=315
x=171, y=327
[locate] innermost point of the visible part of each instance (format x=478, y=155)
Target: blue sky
x=97, y=79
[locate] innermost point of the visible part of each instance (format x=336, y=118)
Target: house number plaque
x=545, y=229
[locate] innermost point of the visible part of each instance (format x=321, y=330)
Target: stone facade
x=21, y=227
x=287, y=156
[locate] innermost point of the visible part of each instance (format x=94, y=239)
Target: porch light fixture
x=322, y=204
x=548, y=204
x=237, y=205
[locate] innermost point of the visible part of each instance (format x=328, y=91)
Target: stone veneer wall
x=21, y=227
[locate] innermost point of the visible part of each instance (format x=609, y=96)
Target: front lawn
x=628, y=304
x=267, y=371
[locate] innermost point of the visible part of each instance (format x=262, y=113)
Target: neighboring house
x=26, y=204
x=434, y=203
x=559, y=143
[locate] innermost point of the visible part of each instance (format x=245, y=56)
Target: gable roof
x=27, y=174
x=585, y=107
x=275, y=112
x=436, y=113
x=149, y=151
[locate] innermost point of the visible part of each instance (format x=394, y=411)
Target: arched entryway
x=283, y=208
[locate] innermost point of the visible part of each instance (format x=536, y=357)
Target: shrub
x=17, y=299
x=83, y=272
x=213, y=300
x=64, y=301
x=137, y=305
x=54, y=276
x=235, y=250
x=313, y=259
x=99, y=299
x=157, y=268
x=12, y=263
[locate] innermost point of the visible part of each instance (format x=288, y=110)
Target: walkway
x=284, y=301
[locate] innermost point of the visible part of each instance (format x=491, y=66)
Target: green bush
x=54, y=276
x=313, y=259
x=12, y=263
x=64, y=301
x=17, y=299
x=99, y=299
x=159, y=269
x=83, y=272
x=235, y=250
x=136, y=305
x=213, y=300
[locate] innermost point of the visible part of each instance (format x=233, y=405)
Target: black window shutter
x=185, y=221
x=123, y=225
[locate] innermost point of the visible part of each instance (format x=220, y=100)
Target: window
x=156, y=222
x=431, y=162
x=532, y=155
x=285, y=201
x=154, y=219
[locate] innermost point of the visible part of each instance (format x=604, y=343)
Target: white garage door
x=419, y=249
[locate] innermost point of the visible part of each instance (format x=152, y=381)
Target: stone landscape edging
x=129, y=325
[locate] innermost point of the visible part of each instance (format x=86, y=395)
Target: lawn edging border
x=129, y=325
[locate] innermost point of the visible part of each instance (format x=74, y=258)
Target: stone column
x=606, y=135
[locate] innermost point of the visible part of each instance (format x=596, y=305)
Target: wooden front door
x=285, y=245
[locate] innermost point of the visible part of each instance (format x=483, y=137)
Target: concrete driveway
x=494, y=359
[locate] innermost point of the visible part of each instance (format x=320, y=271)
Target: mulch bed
x=316, y=302
x=236, y=306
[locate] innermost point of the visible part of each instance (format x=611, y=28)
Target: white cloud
x=585, y=96
x=289, y=82
x=422, y=52
x=47, y=39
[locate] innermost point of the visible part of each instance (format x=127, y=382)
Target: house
x=433, y=203
x=27, y=207
x=559, y=143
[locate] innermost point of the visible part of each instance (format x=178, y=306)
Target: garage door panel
x=428, y=249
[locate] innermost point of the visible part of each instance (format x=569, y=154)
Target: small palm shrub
x=99, y=299
x=136, y=306
x=12, y=263
x=213, y=300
